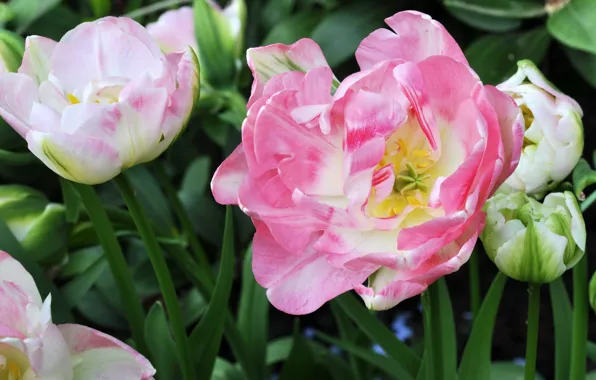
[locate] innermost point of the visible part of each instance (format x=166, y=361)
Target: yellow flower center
x=73, y=99
x=410, y=156
x=13, y=363
x=528, y=120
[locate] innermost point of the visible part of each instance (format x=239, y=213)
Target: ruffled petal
x=18, y=92
x=11, y=271
x=37, y=58
x=228, y=177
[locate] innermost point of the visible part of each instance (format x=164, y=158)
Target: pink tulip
x=102, y=99
x=383, y=180
x=32, y=347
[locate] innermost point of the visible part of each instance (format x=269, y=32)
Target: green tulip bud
x=40, y=226
x=593, y=292
x=532, y=241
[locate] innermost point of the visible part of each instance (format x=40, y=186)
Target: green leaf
x=301, y=361
x=224, y=370
x=584, y=63
x=161, y=344
x=379, y=333
x=193, y=305
x=583, y=176
x=485, y=22
x=500, y=8
x=574, y=25
x=206, y=337
x=383, y=363
x=96, y=309
x=293, y=28
x=591, y=375
x=55, y=23
x=347, y=333
x=253, y=315
x=278, y=350
x=476, y=359
x=275, y=11
x=25, y=12
x=591, y=351
x=80, y=261
x=71, y=199
x=196, y=178
x=494, y=57
x=152, y=197
x=9, y=244
x=439, y=332
x=352, y=22
x=100, y=8
x=218, y=47
x=563, y=320
x=76, y=289
x=509, y=371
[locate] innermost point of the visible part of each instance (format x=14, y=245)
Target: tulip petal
x=417, y=36
x=18, y=92
x=174, y=30
x=77, y=158
x=37, y=57
x=110, y=47
x=100, y=356
x=12, y=271
x=298, y=283
x=269, y=61
x=229, y=176
x=50, y=357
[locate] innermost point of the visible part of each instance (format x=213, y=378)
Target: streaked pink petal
x=417, y=36
x=174, y=30
x=36, y=60
x=18, y=92
x=102, y=356
x=77, y=158
x=269, y=61
x=12, y=271
x=229, y=176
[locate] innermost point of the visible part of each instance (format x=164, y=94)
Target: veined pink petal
x=417, y=36
x=229, y=176
x=77, y=158
x=109, y=47
x=101, y=356
x=12, y=271
x=37, y=56
x=269, y=61
x=18, y=92
x=298, y=283
x=174, y=30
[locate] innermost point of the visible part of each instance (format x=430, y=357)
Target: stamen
x=420, y=153
x=403, y=148
x=73, y=99
x=413, y=201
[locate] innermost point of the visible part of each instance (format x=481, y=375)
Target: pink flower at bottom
x=382, y=176
x=32, y=347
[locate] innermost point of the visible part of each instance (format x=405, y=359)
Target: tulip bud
x=40, y=226
x=532, y=241
x=593, y=292
x=553, y=137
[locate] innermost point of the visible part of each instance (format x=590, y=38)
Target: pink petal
x=298, y=283
x=50, y=358
x=174, y=30
x=417, y=37
x=108, y=47
x=18, y=92
x=102, y=356
x=229, y=176
x=11, y=271
x=77, y=158
x=36, y=60
x=268, y=61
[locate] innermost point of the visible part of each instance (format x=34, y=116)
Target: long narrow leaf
x=591, y=351
x=206, y=337
x=380, y=334
x=253, y=315
x=563, y=319
x=439, y=333
x=476, y=359
x=383, y=363
x=301, y=362
x=346, y=333
x=161, y=344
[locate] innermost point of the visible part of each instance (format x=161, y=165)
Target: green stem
x=532, y=337
x=162, y=273
x=131, y=304
x=186, y=224
x=474, y=283
x=579, y=335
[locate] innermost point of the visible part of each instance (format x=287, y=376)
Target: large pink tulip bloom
x=102, y=99
x=32, y=347
x=385, y=179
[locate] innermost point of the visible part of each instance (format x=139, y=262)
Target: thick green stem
x=186, y=224
x=579, y=336
x=131, y=304
x=162, y=273
x=532, y=336
x=474, y=283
